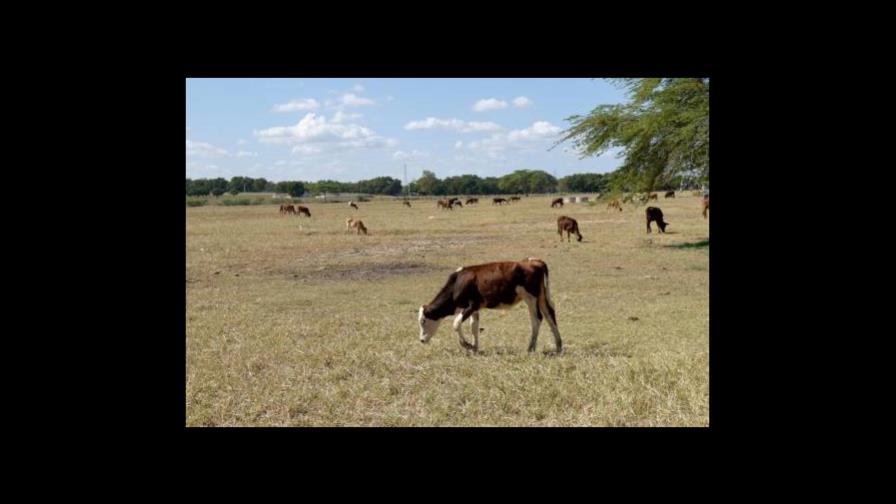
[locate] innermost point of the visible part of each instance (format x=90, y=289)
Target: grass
x=294, y=322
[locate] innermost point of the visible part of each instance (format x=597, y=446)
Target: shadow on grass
x=699, y=244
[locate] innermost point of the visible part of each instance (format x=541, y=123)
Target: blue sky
x=360, y=128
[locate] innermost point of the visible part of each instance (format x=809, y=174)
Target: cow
x=353, y=205
x=282, y=209
x=348, y=223
x=557, y=203
x=358, y=226
x=290, y=210
x=499, y=201
x=302, y=210
x=614, y=204
x=651, y=196
x=452, y=200
x=655, y=214
x=498, y=285
x=670, y=194
x=514, y=198
x=456, y=203
x=406, y=203
x=472, y=201
x=569, y=225
x=443, y=204
x=706, y=205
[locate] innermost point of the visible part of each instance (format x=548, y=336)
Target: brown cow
x=290, y=210
x=407, y=203
x=456, y=203
x=706, y=205
x=499, y=201
x=652, y=196
x=670, y=194
x=353, y=205
x=615, y=204
x=557, y=203
x=514, y=198
x=493, y=285
x=282, y=209
x=355, y=224
x=655, y=214
x=302, y=210
x=443, y=204
x=472, y=201
x=569, y=225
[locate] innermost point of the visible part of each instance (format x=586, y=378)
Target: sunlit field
x=294, y=321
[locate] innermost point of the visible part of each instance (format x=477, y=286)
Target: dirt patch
x=360, y=272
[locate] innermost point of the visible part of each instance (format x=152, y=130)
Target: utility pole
x=405, y=181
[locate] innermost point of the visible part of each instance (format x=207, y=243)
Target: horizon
x=349, y=130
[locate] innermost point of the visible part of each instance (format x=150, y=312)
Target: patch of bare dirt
x=360, y=272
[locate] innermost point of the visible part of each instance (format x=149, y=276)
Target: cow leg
x=548, y=310
x=474, y=327
x=458, y=327
x=535, y=318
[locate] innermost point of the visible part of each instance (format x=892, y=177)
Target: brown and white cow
x=706, y=205
x=655, y=214
x=557, y=203
x=353, y=205
x=302, y=210
x=670, y=194
x=570, y=225
x=499, y=201
x=498, y=285
x=472, y=201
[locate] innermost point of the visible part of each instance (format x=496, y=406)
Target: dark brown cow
x=569, y=225
x=407, y=203
x=302, y=210
x=706, y=205
x=655, y=214
x=670, y=194
x=615, y=204
x=557, y=203
x=353, y=205
x=499, y=201
x=290, y=210
x=443, y=204
x=492, y=285
x=456, y=203
x=652, y=196
x=282, y=209
x=472, y=201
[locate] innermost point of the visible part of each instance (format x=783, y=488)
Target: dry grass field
x=295, y=322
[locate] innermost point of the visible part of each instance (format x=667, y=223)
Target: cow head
x=428, y=326
x=662, y=225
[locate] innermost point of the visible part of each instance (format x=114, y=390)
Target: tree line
x=518, y=182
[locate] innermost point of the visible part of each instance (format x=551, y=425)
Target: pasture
x=292, y=321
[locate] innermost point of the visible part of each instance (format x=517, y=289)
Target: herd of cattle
x=499, y=284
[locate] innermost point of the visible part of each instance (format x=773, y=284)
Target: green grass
x=319, y=327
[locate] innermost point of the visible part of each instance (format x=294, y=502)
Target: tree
x=663, y=131
x=428, y=183
x=583, y=182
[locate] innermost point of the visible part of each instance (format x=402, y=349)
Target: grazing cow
x=472, y=201
x=290, y=210
x=615, y=204
x=452, y=200
x=407, y=203
x=353, y=205
x=651, y=196
x=569, y=225
x=557, y=203
x=499, y=201
x=282, y=209
x=670, y=194
x=357, y=225
x=655, y=214
x=302, y=210
x=492, y=285
x=443, y=204
x=706, y=205
x=514, y=198
x=456, y=203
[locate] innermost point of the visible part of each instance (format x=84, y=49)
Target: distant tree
x=428, y=183
x=583, y=182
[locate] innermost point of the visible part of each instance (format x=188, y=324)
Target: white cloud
x=246, y=154
x=489, y=104
x=280, y=163
x=452, y=124
x=297, y=105
x=521, y=101
x=206, y=150
x=340, y=116
x=358, y=88
x=241, y=142
x=352, y=100
x=458, y=144
x=523, y=138
x=314, y=133
x=401, y=155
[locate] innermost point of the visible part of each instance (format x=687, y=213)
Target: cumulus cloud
x=452, y=124
x=458, y=144
x=401, y=155
x=205, y=150
x=241, y=142
x=297, y=105
x=280, y=163
x=358, y=88
x=246, y=154
x=539, y=131
x=521, y=101
x=352, y=100
x=341, y=116
x=489, y=104
x=314, y=133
